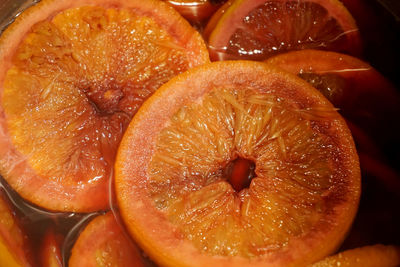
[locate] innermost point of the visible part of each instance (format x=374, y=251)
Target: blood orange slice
x=103, y=243
x=257, y=29
x=15, y=249
x=369, y=256
x=237, y=164
x=72, y=76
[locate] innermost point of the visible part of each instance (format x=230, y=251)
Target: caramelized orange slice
x=237, y=164
x=73, y=74
x=257, y=29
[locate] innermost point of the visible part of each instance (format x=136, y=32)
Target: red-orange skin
x=93, y=195
x=196, y=12
x=215, y=17
x=161, y=239
x=93, y=239
x=50, y=251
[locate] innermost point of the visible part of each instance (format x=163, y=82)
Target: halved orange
x=72, y=75
x=237, y=164
x=257, y=29
x=362, y=94
x=369, y=256
x=103, y=243
x=15, y=249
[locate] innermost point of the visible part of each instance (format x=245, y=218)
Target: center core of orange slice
x=240, y=172
x=105, y=99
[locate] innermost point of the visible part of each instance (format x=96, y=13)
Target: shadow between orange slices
x=72, y=75
x=173, y=171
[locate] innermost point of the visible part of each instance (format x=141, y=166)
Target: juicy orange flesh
x=295, y=162
x=75, y=83
x=331, y=85
x=277, y=27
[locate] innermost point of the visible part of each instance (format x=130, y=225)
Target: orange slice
x=72, y=76
x=257, y=29
x=346, y=81
x=15, y=249
x=237, y=164
x=370, y=256
x=103, y=243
